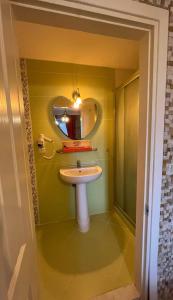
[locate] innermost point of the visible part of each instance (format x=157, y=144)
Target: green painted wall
x=51, y=79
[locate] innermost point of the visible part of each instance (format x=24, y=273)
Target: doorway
x=149, y=125
x=50, y=83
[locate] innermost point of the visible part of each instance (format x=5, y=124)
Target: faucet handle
x=78, y=164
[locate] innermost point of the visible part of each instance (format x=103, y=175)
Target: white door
x=17, y=243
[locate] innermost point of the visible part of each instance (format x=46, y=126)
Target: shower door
x=126, y=140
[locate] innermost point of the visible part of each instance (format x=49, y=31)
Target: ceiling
x=44, y=42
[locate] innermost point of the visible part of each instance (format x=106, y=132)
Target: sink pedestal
x=79, y=177
x=82, y=207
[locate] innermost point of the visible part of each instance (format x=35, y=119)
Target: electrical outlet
x=169, y=169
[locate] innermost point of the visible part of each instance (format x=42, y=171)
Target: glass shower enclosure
x=126, y=142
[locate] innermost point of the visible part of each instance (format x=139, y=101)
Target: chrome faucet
x=79, y=164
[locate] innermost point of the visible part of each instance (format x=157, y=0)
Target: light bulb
x=63, y=119
x=76, y=105
x=66, y=119
x=78, y=100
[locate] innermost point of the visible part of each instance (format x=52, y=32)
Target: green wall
x=48, y=80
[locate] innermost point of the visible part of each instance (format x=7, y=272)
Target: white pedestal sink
x=79, y=177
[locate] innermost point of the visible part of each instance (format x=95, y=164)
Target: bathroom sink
x=80, y=175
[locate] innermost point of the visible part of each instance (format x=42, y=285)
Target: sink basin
x=80, y=175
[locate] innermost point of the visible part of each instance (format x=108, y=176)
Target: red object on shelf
x=76, y=149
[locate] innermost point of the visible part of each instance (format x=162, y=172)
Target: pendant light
x=64, y=117
x=77, y=98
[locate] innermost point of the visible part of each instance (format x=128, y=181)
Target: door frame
x=152, y=23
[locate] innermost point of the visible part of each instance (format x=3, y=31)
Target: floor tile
x=77, y=266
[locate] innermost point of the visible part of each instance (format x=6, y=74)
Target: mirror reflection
x=75, y=122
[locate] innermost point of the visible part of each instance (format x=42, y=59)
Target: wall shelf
x=60, y=151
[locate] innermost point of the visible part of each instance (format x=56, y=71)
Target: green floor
x=76, y=266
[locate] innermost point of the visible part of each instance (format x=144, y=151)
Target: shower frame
x=117, y=207
x=149, y=25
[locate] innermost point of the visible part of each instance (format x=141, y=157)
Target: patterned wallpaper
x=28, y=126
x=165, y=255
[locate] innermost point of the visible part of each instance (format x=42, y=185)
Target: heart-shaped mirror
x=75, y=123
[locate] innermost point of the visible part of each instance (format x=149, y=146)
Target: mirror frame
x=57, y=129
